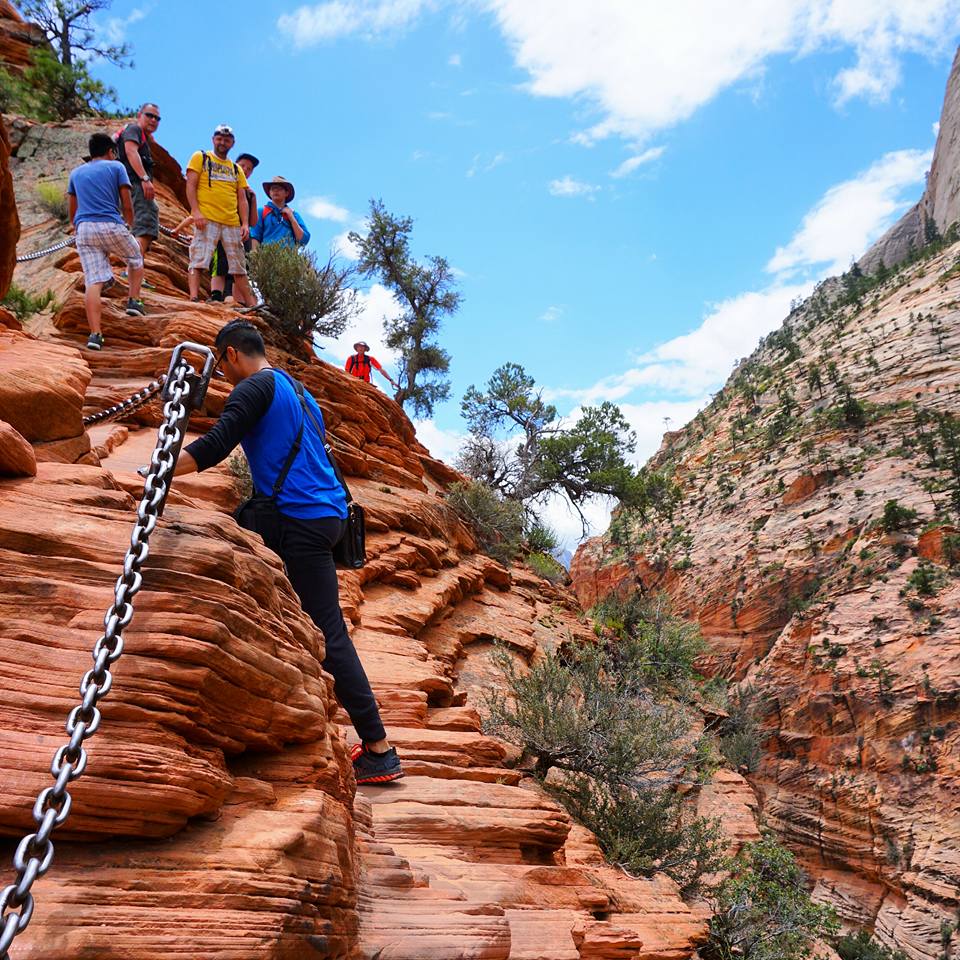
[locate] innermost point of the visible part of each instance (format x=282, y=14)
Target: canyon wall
x=219, y=819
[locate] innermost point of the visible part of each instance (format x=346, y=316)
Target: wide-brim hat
x=281, y=182
x=361, y=343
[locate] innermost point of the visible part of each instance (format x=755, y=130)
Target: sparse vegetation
x=497, y=523
x=543, y=565
x=24, y=305
x=896, y=517
x=53, y=198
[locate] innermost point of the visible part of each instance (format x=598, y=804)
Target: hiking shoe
x=95, y=341
x=215, y=297
x=135, y=308
x=370, y=767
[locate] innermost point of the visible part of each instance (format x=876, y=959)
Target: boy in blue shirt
x=97, y=191
x=279, y=223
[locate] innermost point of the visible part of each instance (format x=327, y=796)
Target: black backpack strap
x=291, y=456
x=298, y=386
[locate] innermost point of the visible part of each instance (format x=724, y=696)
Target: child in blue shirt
x=279, y=223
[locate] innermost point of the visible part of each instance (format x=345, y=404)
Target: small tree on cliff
x=59, y=81
x=519, y=447
x=426, y=293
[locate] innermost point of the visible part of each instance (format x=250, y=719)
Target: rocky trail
x=219, y=818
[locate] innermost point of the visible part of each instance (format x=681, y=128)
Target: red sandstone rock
x=9, y=221
x=17, y=458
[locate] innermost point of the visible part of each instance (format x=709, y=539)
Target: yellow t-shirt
x=217, y=187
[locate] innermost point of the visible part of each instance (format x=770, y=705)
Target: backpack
x=354, y=363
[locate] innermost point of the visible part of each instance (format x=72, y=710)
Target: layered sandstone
x=847, y=623
x=18, y=40
x=219, y=819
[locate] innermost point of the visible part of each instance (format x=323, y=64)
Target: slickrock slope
x=17, y=39
x=848, y=626
x=219, y=819
x=940, y=203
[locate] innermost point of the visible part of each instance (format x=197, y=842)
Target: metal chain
x=124, y=407
x=33, y=857
x=37, y=254
x=174, y=234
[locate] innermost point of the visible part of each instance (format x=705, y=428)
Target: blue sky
x=631, y=191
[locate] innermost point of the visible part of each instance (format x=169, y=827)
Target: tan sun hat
x=361, y=343
x=282, y=182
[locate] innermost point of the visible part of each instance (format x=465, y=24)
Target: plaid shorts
x=205, y=242
x=95, y=243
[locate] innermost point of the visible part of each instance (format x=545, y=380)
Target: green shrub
x=543, y=565
x=762, y=910
x=896, y=517
x=24, y=304
x=301, y=297
x=861, y=946
x=660, y=647
x=618, y=749
x=53, y=198
x=541, y=538
x=739, y=733
x=497, y=523
x=926, y=579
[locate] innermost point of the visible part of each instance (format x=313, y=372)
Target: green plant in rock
x=926, y=579
x=739, y=732
x=497, y=523
x=896, y=517
x=24, y=305
x=303, y=298
x=53, y=198
x=763, y=911
x=543, y=565
x=861, y=946
x=596, y=718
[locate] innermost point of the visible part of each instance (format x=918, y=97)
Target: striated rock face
x=18, y=40
x=842, y=610
x=940, y=203
x=219, y=819
x=9, y=219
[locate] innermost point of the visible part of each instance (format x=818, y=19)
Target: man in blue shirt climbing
x=263, y=414
x=279, y=222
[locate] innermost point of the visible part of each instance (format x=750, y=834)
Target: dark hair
x=251, y=158
x=100, y=144
x=243, y=336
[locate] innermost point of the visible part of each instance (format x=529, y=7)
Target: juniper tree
x=426, y=291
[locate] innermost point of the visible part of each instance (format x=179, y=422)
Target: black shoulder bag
x=261, y=514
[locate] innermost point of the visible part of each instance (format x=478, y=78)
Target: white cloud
x=442, y=444
x=454, y=60
x=343, y=246
x=482, y=165
x=643, y=67
x=309, y=25
x=325, y=209
x=376, y=304
x=853, y=214
x=115, y=29
x=552, y=314
x=568, y=187
x=632, y=163
x=560, y=516
x=936, y=128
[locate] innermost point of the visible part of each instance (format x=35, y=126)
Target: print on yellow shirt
x=217, y=187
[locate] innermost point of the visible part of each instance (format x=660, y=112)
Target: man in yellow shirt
x=217, y=194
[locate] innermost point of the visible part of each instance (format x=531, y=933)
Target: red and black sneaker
x=370, y=767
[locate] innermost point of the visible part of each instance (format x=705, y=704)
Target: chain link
x=35, y=852
x=37, y=254
x=125, y=407
x=174, y=234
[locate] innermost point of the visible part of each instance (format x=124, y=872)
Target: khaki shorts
x=205, y=242
x=95, y=243
x=146, y=213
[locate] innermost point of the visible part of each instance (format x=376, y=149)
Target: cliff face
x=840, y=608
x=9, y=219
x=940, y=203
x=219, y=819
x=18, y=40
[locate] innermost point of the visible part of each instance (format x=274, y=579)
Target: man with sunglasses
x=133, y=144
x=264, y=414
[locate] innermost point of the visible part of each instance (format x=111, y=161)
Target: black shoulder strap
x=298, y=386
x=291, y=456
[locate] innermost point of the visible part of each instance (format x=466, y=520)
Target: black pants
x=306, y=549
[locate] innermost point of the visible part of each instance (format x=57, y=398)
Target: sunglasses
x=152, y=116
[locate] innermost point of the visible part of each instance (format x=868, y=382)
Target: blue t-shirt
x=96, y=185
x=263, y=414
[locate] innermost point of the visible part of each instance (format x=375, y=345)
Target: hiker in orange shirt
x=359, y=364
